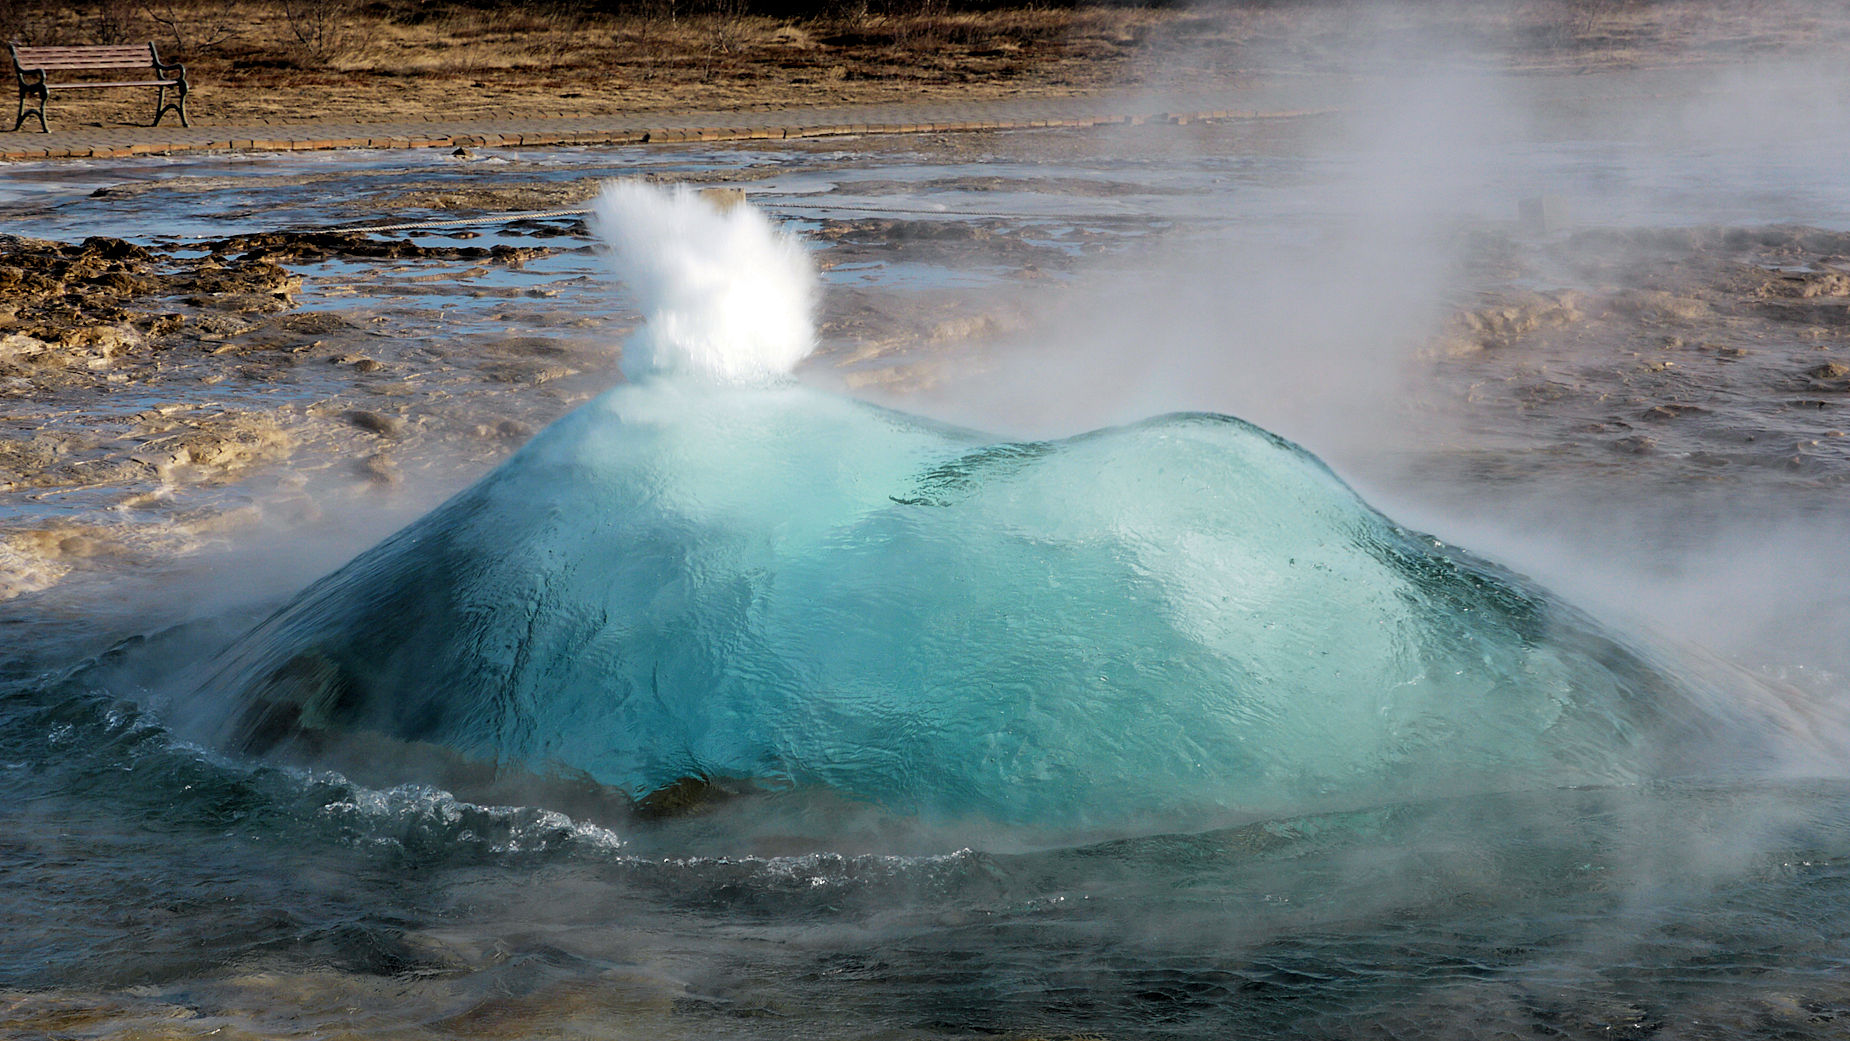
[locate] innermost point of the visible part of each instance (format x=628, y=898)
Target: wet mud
x=144, y=383
x=1688, y=356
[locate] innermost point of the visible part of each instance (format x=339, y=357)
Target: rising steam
x=725, y=295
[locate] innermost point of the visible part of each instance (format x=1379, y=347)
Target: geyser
x=711, y=572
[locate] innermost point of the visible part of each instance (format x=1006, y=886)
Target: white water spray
x=726, y=296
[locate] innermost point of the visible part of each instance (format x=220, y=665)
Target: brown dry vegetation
x=297, y=60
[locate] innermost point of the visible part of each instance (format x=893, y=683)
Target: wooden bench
x=34, y=66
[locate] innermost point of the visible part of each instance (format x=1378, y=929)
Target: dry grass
x=283, y=60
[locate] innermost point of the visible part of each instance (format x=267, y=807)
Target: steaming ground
x=1643, y=417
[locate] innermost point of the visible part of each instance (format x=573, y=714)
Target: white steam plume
x=725, y=295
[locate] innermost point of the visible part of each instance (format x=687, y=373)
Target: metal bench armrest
x=23, y=72
x=166, y=66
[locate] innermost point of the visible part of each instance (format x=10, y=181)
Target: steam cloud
x=725, y=295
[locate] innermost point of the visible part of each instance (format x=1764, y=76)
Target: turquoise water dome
x=743, y=580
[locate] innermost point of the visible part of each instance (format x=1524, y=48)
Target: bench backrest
x=132, y=56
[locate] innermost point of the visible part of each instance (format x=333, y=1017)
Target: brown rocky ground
x=104, y=348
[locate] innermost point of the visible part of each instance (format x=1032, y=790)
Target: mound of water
x=778, y=585
x=711, y=574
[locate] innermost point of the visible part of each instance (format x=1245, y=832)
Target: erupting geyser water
x=726, y=296
x=711, y=572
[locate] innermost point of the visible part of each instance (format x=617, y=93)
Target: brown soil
x=407, y=60
x=389, y=60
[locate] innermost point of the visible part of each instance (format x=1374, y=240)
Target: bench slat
x=136, y=83
x=63, y=58
x=144, y=63
x=130, y=50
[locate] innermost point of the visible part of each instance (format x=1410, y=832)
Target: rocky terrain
x=109, y=353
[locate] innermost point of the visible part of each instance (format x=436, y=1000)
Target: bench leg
x=162, y=106
x=38, y=113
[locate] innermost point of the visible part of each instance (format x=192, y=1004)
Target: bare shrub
x=195, y=26
x=318, y=27
x=726, y=24
x=653, y=13
x=919, y=23
x=114, y=21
